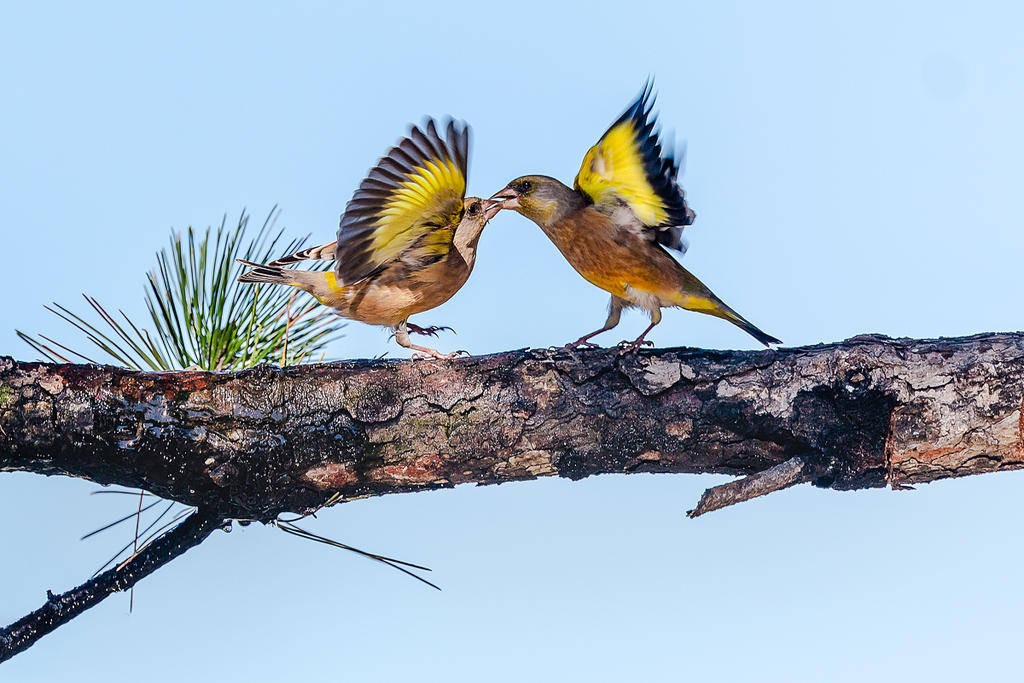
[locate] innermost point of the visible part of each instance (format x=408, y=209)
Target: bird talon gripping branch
x=627, y=347
x=432, y=354
x=581, y=343
x=614, y=226
x=635, y=343
x=407, y=241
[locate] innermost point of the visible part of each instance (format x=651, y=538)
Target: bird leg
x=432, y=330
x=614, y=313
x=632, y=346
x=402, y=337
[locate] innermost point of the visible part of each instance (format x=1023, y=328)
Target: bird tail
x=739, y=321
x=270, y=273
x=708, y=303
x=325, y=252
x=694, y=295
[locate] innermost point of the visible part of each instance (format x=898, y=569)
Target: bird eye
x=525, y=186
x=474, y=208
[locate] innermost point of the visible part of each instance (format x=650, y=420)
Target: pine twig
x=60, y=609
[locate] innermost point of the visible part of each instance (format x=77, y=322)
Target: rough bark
x=796, y=470
x=866, y=412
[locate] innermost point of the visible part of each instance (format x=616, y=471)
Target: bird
x=406, y=242
x=617, y=223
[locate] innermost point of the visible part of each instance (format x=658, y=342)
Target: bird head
x=540, y=198
x=476, y=212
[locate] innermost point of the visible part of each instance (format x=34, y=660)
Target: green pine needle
x=200, y=315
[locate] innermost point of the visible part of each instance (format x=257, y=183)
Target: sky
x=854, y=169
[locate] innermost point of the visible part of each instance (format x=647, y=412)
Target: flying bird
x=617, y=223
x=407, y=241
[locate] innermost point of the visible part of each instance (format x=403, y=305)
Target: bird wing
x=628, y=167
x=408, y=206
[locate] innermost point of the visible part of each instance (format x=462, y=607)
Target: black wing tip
x=446, y=138
x=453, y=144
x=660, y=165
x=641, y=107
x=423, y=142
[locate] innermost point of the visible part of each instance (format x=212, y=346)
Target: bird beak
x=509, y=198
x=491, y=208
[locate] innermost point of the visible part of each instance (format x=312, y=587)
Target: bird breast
x=397, y=292
x=616, y=258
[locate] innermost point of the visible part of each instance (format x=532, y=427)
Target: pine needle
x=400, y=565
x=199, y=314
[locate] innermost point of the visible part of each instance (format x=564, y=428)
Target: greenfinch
x=616, y=225
x=407, y=241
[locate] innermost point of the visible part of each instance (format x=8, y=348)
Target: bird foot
x=431, y=354
x=633, y=346
x=580, y=343
x=425, y=331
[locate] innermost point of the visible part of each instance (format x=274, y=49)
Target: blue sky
x=854, y=169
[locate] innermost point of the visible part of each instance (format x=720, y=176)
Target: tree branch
x=797, y=470
x=866, y=412
x=60, y=609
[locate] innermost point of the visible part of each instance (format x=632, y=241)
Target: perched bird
x=615, y=225
x=407, y=240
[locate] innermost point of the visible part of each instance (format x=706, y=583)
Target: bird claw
x=437, y=355
x=581, y=343
x=428, y=331
x=633, y=346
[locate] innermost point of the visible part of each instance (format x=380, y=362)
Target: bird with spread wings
x=616, y=225
x=407, y=241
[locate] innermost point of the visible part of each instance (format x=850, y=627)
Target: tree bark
x=868, y=412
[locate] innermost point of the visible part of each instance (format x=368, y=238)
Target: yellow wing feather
x=408, y=206
x=628, y=166
x=428, y=195
x=614, y=169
